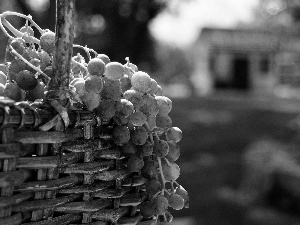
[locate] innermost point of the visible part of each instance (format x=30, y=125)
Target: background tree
x=281, y=16
x=118, y=28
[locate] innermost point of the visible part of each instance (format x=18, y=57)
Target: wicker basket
x=75, y=176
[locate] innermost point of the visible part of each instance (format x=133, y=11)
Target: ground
x=216, y=130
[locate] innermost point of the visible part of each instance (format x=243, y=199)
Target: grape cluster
x=129, y=100
x=141, y=128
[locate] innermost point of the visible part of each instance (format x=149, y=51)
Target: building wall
x=214, y=61
x=263, y=81
x=201, y=77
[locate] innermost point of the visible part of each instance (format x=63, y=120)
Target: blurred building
x=253, y=60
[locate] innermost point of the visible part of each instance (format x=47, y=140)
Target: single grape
x=35, y=62
x=14, y=68
x=32, y=53
x=124, y=108
x=125, y=83
x=174, y=133
x=135, y=97
x=47, y=41
x=79, y=85
x=137, y=118
x=184, y=194
x=164, y=105
x=37, y=92
x=174, y=151
x=3, y=78
x=106, y=109
x=93, y=84
x=171, y=171
x=164, y=121
x=45, y=59
x=128, y=148
x=135, y=163
x=13, y=91
x=128, y=72
x=150, y=107
x=139, y=135
x=96, y=67
x=150, y=169
x=141, y=82
x=130, y=68
x=153, y=187
x=130, y=65
x=146, y=149
x=147, y=209
x=160, y=148
x=18, y=45
x=26, y=80
x=153, y=87
x=121, y=135
x=91, y=100
x=27, y=29
x=9, y=57
x=114, y=70
x=176, y=202
x=160, y=204
x=111, y=89
x=104, y=58
x=120, y=120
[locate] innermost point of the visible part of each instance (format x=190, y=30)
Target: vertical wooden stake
x=64, y=31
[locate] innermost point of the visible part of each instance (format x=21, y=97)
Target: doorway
x=240, y=73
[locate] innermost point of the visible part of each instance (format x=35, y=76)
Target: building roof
x=240, y=39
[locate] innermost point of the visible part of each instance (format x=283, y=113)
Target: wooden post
x=64, y=36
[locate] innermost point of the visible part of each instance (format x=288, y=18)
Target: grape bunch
x=127, y=99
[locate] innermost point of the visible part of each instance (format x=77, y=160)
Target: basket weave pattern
x=71, y=176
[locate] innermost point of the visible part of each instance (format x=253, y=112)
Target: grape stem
x=29, y=64
x=168, y=162
x=18, y=33
x=80, y=65
x=162, y=176
x=4, y=30
x=149, y=133
x=165, y=218
x=127, y=64
x=29, y=18
x=172, y=187
x=86, y=49
x=175, y=182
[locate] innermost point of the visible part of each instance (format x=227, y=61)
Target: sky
x=182, y=30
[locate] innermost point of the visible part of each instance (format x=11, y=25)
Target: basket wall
x=63, y=176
